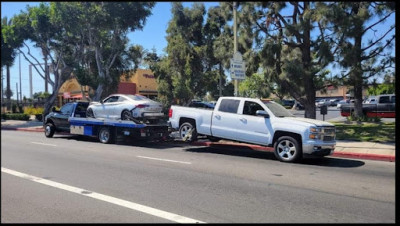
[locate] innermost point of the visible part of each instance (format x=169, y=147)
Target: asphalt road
x=69, y=179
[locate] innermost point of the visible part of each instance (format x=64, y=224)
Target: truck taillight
x=142, y=106
x=170, y=113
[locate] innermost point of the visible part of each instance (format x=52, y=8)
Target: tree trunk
x=8, y=91
x=308, y=77
x=357, y=72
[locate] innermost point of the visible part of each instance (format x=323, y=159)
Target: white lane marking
x=44, y=144
x=131, y=205
x=165, y=160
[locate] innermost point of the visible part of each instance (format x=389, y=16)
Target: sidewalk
x=345, y=149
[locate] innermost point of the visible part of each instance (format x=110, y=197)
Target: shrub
x=16, y=116
x=34, y=111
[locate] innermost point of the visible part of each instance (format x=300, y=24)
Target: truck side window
x=230, y=106
x=384, y=99
x=250, y=108
x=393, y=99
x=66, y=109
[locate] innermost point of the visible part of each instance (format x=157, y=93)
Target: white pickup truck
x=256, y=121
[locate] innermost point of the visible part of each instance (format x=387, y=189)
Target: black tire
x=213, y=139
x=184, y=129
x=287, y=149
x=49, y=130
x=106, y=135
x=126, y=115
x=89, y=113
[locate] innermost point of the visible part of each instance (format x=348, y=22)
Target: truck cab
x=57, y=121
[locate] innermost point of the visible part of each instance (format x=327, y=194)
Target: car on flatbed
x=256, y=121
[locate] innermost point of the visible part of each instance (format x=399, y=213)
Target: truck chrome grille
x=328, y=133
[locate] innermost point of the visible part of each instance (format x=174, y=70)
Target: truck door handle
x=217, y=117
x=243, y=120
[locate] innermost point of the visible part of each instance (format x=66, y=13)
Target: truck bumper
x=318, y=148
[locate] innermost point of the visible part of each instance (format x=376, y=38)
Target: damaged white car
x=126, y=107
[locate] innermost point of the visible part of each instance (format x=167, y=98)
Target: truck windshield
x=277, y=109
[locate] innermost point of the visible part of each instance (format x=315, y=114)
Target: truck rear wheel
x=187, y=132
x=106, y=136
x=287, y=149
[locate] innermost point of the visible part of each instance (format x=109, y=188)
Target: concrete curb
x=24, y=129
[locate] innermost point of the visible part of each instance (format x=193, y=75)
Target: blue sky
x=152, y=36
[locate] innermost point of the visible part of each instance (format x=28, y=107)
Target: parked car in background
x=126, y=107
x=343, y=102
x=288, y=104
x=201, y=104
x=384, y=108
x=323, y=102
x=370, y=100
x=334, y=102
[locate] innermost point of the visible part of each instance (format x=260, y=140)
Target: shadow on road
x=250, y=153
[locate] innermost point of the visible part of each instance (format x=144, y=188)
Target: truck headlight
x=315, y=133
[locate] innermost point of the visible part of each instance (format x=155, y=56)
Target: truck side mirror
x=101, y=102
x=262, y=113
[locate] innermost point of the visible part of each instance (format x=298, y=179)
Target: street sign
x=238, y=68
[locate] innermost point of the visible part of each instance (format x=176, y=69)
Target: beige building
x=142, y=82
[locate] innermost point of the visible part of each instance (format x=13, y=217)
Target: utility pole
x=16, y=88
x=20, y=84
x=235, y=43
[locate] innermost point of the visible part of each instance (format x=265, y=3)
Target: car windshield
x=277, y=109
x=137, y=97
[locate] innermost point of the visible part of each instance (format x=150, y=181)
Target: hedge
x=15, y=116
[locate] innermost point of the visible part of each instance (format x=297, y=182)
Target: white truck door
x=252, y=128
x=224, y=120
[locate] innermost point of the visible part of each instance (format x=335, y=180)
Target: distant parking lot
x=333, y=114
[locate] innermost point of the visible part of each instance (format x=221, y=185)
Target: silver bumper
x=318, y=148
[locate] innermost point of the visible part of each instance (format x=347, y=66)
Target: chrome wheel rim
x=286, y=150
x=184, y=130
x=104, y=135
x=126, y=115
x=48, y=130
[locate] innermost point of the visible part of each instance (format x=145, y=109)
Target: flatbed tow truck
x=72, y=118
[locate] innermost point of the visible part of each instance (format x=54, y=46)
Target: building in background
x=71, y=90
x=141, y=82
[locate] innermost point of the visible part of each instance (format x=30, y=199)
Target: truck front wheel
x=49, y=130
x=287, y=149
x=187, y=132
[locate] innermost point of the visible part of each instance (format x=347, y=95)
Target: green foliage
x=33, y=111
x=381, y=89
x=372, y=132
x=254, y=86
x=363, y=118
x=15, y=116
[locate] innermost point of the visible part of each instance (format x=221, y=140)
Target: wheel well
x=284, y=133
x=190, y=120
x=49, y=121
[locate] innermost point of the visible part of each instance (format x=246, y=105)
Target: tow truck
x=71, y=118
